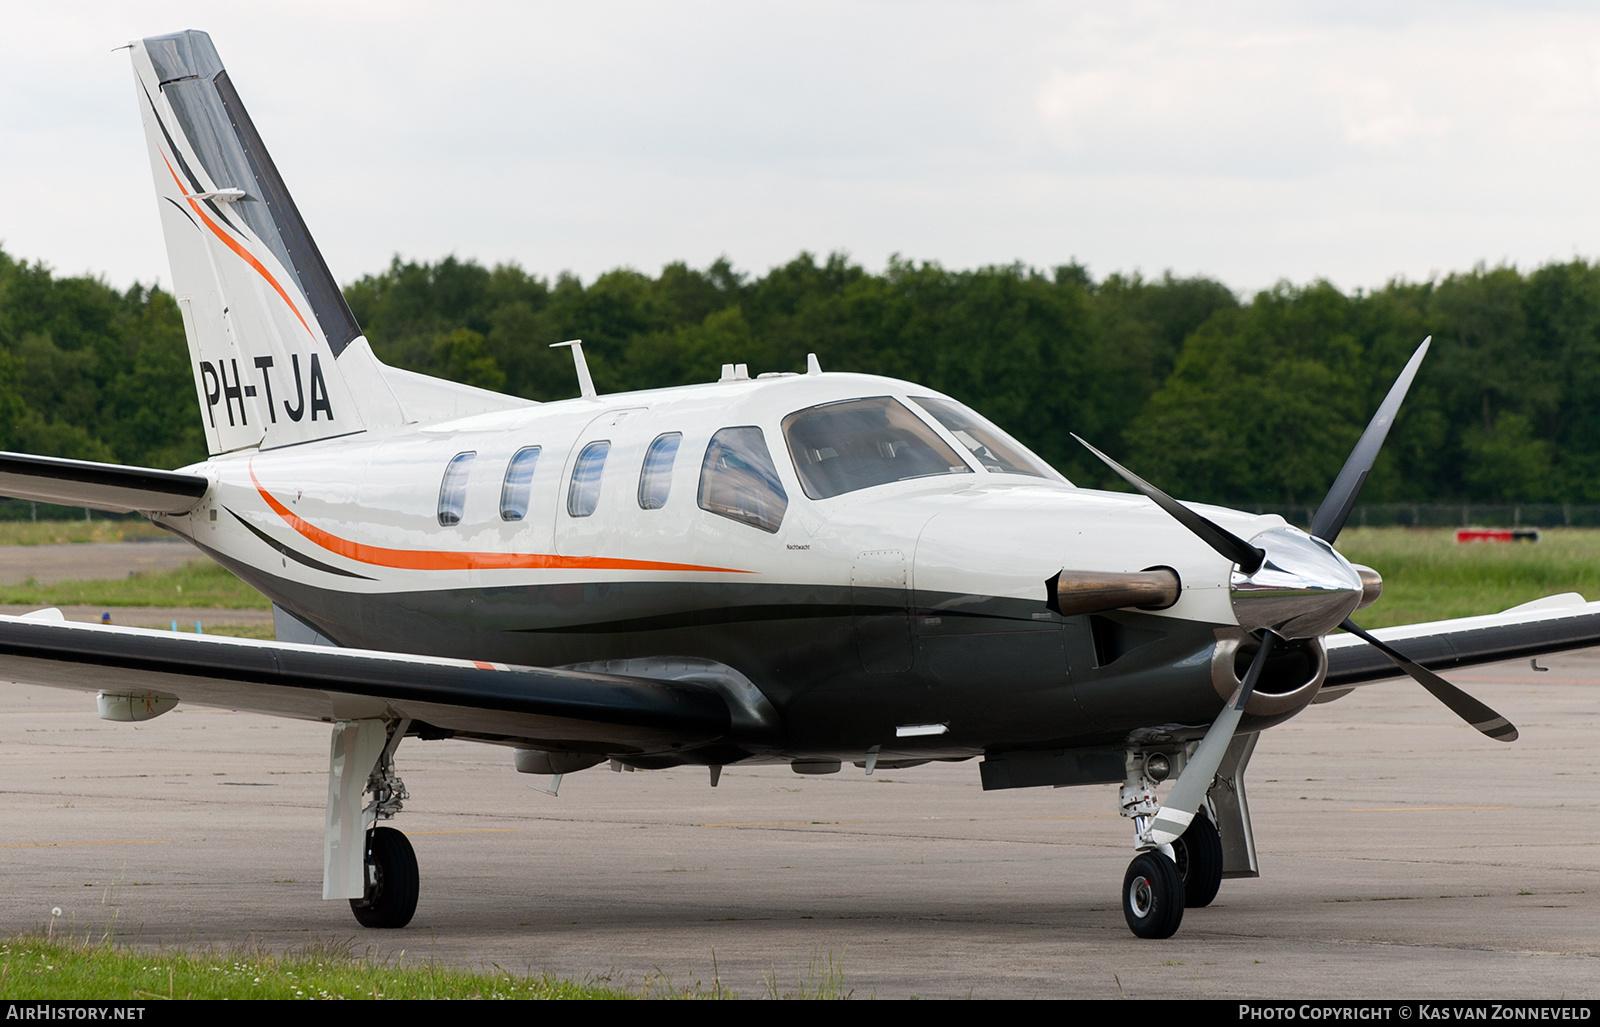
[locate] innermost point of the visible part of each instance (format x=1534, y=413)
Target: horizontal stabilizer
x=110, y=487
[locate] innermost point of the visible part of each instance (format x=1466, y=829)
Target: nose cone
x=1303, y=589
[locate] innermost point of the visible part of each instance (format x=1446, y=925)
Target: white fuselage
x=866, y=587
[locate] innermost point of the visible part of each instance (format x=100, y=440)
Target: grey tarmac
x=92, y=561
x=1402, y=856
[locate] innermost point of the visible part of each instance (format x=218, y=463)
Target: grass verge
x=199, y=583
x=1428, y=576
x=35, y=967
x=44, y=533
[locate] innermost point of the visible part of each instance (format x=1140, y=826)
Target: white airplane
x=815, y=569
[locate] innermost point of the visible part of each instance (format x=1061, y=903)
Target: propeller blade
x=1341, y=497
x=1461, y=704
x=1231, y=546
x=1175, y=815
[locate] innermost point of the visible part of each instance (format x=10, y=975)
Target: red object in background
x=1497, y=535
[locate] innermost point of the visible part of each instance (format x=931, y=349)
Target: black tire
x=391, y=899
x=1199, y=857
x=1152, y=896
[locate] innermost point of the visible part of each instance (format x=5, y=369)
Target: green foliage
x=1208, y=398
x=1043, y=355
x=89, y=373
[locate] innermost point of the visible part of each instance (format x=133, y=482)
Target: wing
x=1551, y=625
x=526, y=706
x=111, y=487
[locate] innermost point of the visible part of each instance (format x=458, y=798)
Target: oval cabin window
x=655, y=478
x=453, y=490
x=583, y=494
x=518, y=485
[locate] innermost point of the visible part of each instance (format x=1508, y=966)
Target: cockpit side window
x=655, y=477
x=453, y=489
x=518, y=484
x=995, y=450
x=583, y=494
x=738, y=479
x=857, y=443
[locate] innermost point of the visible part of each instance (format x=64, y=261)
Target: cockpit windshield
x=856, y=443
x=995, y=450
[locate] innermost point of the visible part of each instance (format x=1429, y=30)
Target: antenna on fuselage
x=585, y=383
x=813, y=366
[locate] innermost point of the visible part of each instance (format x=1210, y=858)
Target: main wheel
x=1152, y=896
x=392, y=881
x=1199, y=856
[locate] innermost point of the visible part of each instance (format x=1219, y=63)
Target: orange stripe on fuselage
x=435, y=560
x=235, y=247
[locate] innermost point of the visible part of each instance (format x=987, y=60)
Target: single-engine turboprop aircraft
x=813, y=569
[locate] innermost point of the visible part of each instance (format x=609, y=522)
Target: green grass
x=1428, y=576
x=199, y=583
x=34, y=967
x=40, y=533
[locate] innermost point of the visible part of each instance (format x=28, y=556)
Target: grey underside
x=841, y=667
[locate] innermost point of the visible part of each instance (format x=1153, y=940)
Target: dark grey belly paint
x=843, y=667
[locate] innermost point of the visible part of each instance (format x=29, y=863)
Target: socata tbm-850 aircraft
x=815, y=569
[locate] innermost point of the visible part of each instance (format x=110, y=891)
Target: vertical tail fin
x=278, y=357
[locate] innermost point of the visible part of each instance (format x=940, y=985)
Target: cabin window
x=738, y=479
x=518, y=485
x=857, y=443
x=995, y=450
x=655, y=478
x=453, y=490
x=583, y=494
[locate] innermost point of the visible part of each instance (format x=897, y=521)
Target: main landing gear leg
x=374, y=867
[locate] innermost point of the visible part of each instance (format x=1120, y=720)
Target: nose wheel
x=392, y=881
x=1152, y=896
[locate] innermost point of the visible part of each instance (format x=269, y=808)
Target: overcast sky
x=1250, y=142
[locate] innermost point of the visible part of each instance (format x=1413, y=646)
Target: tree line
x=1211, y=397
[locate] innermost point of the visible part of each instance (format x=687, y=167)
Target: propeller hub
x=1303, y=588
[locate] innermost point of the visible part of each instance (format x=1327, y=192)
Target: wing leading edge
x=111, y=487
x=1552, y=625
x=526, y=706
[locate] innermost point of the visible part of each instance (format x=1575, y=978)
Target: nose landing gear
x=1164, y=880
